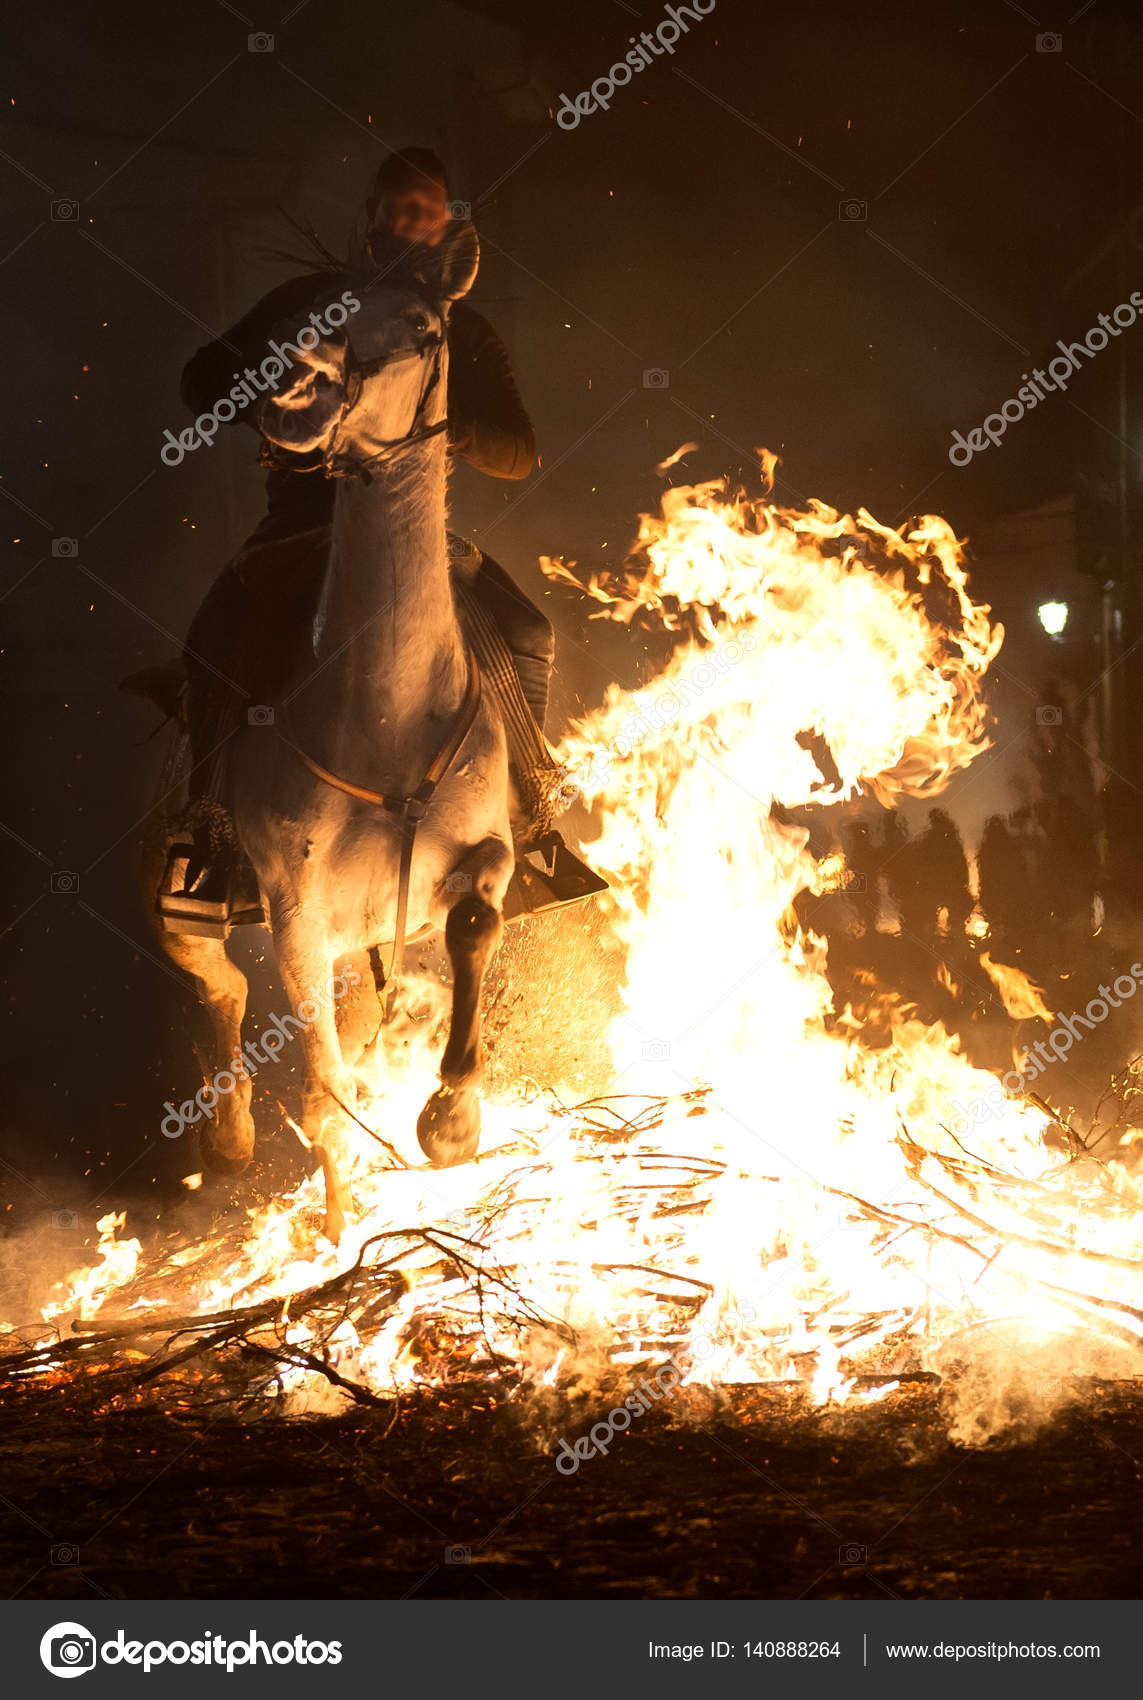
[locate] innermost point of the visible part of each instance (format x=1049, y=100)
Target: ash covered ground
x=756, y=1497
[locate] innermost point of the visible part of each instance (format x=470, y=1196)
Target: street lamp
x=1053, y=617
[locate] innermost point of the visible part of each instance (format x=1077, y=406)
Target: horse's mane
x=366, y=250
x=316, y=248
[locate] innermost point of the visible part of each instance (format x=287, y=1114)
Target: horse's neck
x=387, y=638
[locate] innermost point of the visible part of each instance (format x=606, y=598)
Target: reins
x=335, y=464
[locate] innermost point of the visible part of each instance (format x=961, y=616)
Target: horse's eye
x=420, y=323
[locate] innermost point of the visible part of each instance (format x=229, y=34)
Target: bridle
x=336, y=463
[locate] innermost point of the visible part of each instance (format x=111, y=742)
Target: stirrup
x=548, y=876
x=205, y=899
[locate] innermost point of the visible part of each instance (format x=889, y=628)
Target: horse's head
x=366, y=389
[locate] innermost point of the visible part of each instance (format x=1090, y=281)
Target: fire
x=766, y=1194
x=89, y=1289
x=1021, y=999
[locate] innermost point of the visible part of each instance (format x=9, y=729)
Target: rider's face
x=416, y=213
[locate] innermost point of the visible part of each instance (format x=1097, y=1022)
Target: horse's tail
x=163, y=686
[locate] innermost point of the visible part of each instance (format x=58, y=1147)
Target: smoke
x=1010, y=1381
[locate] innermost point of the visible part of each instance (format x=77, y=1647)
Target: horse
x=374, y=801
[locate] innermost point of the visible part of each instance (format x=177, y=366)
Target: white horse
x=377, y=803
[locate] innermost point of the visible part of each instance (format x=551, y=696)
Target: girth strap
x=411, y=809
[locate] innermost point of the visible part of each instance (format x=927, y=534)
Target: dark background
x=843, y=232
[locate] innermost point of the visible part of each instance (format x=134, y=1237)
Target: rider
x=487, y=426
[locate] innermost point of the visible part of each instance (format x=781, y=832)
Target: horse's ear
x=454, y=262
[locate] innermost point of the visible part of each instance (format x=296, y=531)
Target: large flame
x=824, y=1207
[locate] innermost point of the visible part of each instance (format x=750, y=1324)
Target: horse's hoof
x=221, y=1162
x=449, y=1127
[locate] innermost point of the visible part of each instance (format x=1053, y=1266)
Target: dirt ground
x=763, y=1498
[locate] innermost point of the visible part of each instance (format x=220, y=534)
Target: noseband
x=341, y=463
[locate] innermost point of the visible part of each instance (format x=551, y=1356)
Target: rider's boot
x=548, y=875
x=208, y=886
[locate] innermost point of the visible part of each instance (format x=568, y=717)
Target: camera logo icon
x=260, y=43
x=1049, y=715
x=458, y=882
x=67, y=1649
x=65, y=548
x=64, y=883
x=64, y=1553
x=65, y=210
x=460, y=209
x=656, y=378
x=458, y=1555
x=656, y=1050
x=66, y=1220
x=853, y=212
x=850, y=1554
x=1049, y=42
x=855, y=545
x=260, y=715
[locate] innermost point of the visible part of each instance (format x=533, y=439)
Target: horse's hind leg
x=226, y=1133
x=449, y=1125
x=305, y=962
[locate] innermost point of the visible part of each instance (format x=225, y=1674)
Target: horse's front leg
x=305, y=962
x=449, y=1125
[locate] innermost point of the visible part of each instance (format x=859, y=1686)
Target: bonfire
x=771, y=1189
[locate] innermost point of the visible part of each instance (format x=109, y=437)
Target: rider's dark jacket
x=487, y=423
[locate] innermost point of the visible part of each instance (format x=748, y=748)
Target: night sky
x=843, y=232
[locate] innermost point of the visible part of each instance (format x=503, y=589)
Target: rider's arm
x=209, y=375
x=487, y=423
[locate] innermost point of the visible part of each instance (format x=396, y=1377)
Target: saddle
x=208, y=887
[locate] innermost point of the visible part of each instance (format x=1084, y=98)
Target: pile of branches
x=246, y=1350
x=243, y=1354
x=251, y=1354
